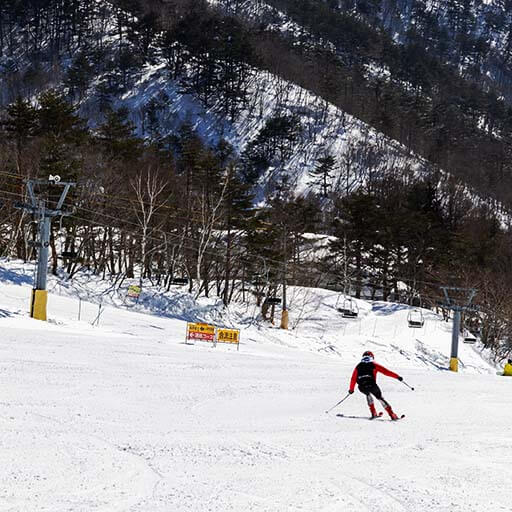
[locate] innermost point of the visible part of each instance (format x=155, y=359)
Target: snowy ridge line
x=260, y=11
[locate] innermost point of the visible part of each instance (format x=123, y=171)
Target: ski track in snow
x=125, y=417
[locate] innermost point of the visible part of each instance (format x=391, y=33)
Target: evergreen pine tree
x=58, y=119
x=79, y=76
x=62, y=132
x=322, y=174
x=20, y=125
x=116, y=136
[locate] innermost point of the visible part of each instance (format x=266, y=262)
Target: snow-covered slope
x=126, y=417
x=316, y=324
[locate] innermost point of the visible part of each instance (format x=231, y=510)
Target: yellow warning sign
x=228, y=336
x=134, y=291
x=202, y=332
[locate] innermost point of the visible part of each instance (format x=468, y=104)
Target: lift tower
x=459, y=301
x=39, y=209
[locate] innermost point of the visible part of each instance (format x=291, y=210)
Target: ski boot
x=373, y=411
x=392, y=415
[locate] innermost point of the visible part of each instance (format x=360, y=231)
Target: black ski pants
x=373, y=389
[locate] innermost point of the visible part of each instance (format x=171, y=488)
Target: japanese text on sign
x=228, y=336
x=202, y=332
x=207, y=332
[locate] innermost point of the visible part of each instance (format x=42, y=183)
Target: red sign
x=203, y=336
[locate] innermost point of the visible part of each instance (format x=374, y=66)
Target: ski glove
x=400, y=378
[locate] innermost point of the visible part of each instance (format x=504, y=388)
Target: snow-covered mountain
x=105, y=406
x=323, y=129
x=271, y=88
x=118, y=56
x=158, y=106
x=473, y=35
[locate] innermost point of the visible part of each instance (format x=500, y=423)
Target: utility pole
x=284, y=312
x=39, y=209
x=458, y=300
x=345, y=268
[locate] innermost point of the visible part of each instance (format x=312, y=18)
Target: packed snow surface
x=125, y=416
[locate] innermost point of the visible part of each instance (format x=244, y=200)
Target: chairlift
x=69, y=255
x=469, y=337
x=415, y=319
x=416, y=301
x=350, y=309
x=179, y=281
x=257, y=279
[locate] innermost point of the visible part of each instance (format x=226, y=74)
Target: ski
x=379, y=416
x=359, y=417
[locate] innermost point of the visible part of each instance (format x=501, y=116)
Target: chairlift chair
x=415, y=319
x=350, y=309
x=69, y=255
x=179, y=281
x=469, y=338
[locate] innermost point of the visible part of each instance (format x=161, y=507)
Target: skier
x=365, y=374
x=507, y=371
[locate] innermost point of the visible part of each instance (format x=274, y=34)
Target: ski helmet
x=368, y=357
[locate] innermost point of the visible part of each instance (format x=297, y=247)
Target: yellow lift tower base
x=284, y=319
x=38, y=304
x=454, y=364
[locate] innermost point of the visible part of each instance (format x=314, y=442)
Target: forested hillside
x=421, y=82
x=248, y=145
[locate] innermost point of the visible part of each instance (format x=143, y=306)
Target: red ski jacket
x=374, y=369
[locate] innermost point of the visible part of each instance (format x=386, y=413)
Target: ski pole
x=410, y=387
x=342, y=400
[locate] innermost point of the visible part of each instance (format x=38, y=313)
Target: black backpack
x=365, y=375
